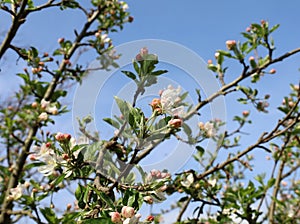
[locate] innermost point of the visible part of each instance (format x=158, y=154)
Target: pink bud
x=248, y=29
x=251, y=58
x=61, y=40
x=209, y=62
x=127, y=212
x=150, y=218
x=272, y=71
x=115, y=217
x=138, y=57
x=245, y=113
x=144, y=51
x=34, y=105
x=230, y=44
x=32, y=157
x=67, y=136
x=59, y=136
x=175, y=123
x=148, y=199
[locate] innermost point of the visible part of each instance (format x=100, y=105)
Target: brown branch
x=183, y=209
x=17, y=21
x=14, y=177
x=265, y=137
x=275, y=192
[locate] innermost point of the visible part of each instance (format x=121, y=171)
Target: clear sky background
x=202, y=26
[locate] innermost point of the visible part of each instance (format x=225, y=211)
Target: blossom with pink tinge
x=230, y=44
x=43, y=116
x=127, y=212
x=16, y=192
x=175, y=123
x=115, y=217
x=272, y=71
x=148, y=199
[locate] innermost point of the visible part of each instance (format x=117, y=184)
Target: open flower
x=43, y=116
x=50, y=164
x=169, y=100
x=49, y=107
x=188, y=181
x=133, y=220
x=16, y=192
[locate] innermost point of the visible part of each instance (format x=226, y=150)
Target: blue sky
x=202, y=26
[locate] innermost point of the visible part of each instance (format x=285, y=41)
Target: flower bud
x=61, y=40
x=130, y=19
x=175, y=123
x=252, y=62
x=245, y=113
x=217, y=54
x=69, y=206
x=67, y=137
x=32, y=157
x=138, y=57
x=144, y=52
x=65, y=156
x=150, y=218
x=34, y=105
x=127, y=212
x=148, y=199
x=209, y=62
x=59, y=136
x=272, y=71
x=43, y=116
x=230, y=44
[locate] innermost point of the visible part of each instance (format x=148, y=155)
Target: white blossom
x=48, y=107
x=209, y=129
x=43, y=116
x=124, y=6
x=169, y=100
x=212, y=182
x=50, y=164
x=133, y=220
x=188, y=181
x=16, y=193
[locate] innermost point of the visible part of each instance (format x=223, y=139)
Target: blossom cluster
x=210, y=128
x=170, y=102
x=46, y=108
x=127, y=216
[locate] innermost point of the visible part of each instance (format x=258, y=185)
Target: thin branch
x=183, y=209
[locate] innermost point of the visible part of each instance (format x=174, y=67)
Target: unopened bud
x=272, y=71
x=230, y=44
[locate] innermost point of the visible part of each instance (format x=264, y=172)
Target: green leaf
x=274, y=28
x=187, y=129
x=97, y=221
x=225, y=53
x=159, y=72
x=69, y=218
x=49, y=215
x=129, y=74
x=200, y=149
x=32, y=165
x=136, y=67
x=112, y=122
x=271, y=182
x=58, y=180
